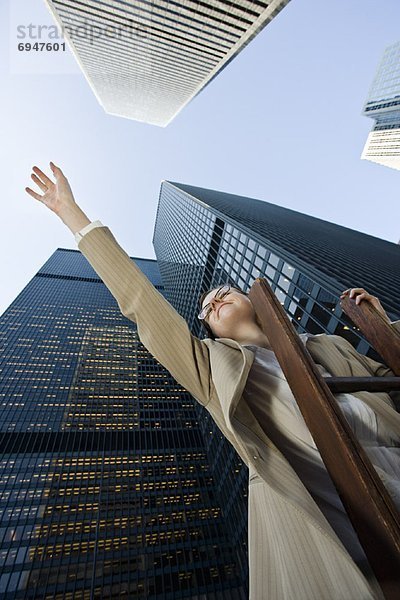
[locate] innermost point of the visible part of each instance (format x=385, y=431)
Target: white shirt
x=79, y=234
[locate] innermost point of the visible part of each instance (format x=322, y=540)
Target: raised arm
x=161, y=329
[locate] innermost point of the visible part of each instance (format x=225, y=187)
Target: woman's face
x=228, y=313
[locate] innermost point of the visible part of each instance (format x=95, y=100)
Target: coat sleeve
x=396, y=325
x=161, y=329
x=375, y=368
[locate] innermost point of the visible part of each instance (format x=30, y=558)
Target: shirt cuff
x=79, y=234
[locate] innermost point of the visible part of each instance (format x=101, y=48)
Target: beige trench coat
x=293, y=551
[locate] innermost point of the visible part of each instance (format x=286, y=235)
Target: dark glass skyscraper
x=106, y=490
x=203, y=238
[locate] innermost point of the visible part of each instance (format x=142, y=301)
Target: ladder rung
x=368, y=384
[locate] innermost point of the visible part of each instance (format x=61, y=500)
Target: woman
x=301, y=544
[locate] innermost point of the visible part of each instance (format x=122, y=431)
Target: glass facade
x=383, y=105
x=385, y=87
x=203, y=238
x=106, y=488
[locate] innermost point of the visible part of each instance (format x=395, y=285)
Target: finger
x=42, y=176
x=361, y=297
x=32, y=193
x=355, y=291
x=56, y=170
x=40, y=183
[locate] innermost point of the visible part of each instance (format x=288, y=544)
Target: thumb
x=56, y=170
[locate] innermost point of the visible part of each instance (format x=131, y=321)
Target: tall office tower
x=106, y=491
x=383, y=105
x=203, y=238
x=146, y=61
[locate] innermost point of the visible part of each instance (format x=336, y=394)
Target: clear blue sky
x=281, y=123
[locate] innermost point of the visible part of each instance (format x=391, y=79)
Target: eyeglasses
x=220, y=294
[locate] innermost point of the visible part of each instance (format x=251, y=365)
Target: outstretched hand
x=360, y=294
x=56, y=195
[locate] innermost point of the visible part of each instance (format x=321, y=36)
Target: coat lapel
x=230, y=365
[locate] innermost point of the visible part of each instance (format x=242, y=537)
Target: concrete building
x=383, y=105
x=146, y=61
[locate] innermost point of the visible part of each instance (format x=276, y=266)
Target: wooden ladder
x=366, y=500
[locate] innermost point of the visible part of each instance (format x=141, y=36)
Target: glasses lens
x=203, y=313
x=221, y=293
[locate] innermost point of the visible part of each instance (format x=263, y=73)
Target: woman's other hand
x=56, y=195
x=359, y=294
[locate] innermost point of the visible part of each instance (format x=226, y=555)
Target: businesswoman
x=301, y=543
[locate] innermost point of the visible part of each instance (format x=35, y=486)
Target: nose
x=215, y=301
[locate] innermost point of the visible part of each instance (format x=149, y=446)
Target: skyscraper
x=204, y=238
x=146, y=61
x=383, y=105
x=106, y=490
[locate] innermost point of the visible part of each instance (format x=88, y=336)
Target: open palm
x=56, y=195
